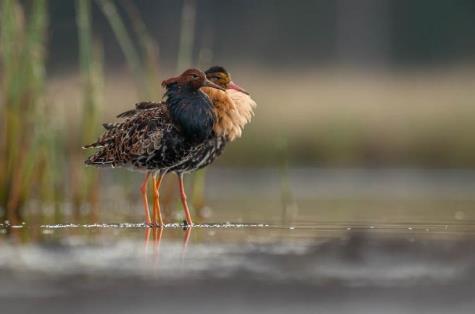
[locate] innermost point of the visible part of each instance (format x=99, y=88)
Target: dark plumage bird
x=157, y=137
x=233, y=109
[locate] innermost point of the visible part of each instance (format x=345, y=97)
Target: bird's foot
x=155, y=225
x=186, y=225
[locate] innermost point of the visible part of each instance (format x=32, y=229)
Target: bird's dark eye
x=194, y=76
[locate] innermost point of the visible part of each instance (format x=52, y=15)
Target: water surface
x=381, y=242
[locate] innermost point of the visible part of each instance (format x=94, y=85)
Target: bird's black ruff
x=192, y=111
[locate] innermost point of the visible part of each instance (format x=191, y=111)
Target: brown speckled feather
x=141, y=141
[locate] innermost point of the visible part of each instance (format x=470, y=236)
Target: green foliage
x=22, y=42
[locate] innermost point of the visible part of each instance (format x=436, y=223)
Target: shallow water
x=347, y=248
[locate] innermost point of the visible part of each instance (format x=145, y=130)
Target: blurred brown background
x=369, y=83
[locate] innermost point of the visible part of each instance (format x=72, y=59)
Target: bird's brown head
x=219, y=75
x=191, y=78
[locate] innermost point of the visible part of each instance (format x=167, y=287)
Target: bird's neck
x=192, y=111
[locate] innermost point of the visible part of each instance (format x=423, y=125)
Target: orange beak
x=235, y=86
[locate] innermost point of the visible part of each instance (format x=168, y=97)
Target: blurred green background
x=339, y=84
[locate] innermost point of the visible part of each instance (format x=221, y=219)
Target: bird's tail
x=100, y=159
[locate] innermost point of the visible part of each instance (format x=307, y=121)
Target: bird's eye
x=194, y=76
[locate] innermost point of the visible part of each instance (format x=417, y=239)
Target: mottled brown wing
x=110, y=133
x=138, y=135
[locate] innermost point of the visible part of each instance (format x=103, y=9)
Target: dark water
x=356, y=243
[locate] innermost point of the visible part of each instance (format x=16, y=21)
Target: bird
x=233, y=109
x=156, y=137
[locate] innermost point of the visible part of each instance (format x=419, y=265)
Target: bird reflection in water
x=152, y=246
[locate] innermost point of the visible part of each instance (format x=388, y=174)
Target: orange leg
x=143, y=190
x=189, y=222
x=157, y=215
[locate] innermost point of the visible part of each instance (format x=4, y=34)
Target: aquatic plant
x=37, y=160
x=22, y=42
